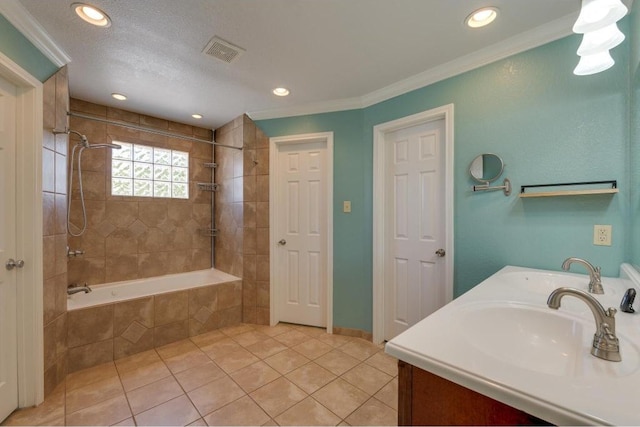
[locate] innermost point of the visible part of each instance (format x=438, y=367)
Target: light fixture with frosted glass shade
x=600, y=40
x=592, y=64
x=597, y=14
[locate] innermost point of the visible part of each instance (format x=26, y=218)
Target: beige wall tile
x=90, y=325
x=48, y=171
x=123, y=347
x=49, y=104
x=61, y=173
x=120, y=213
x=60, y=214
x=123, y=267
x=90, y=355
x=171, y=332
x=87, y=270
x=126, y=312
x=60, y=254
x=171, y=307
x=48, y=214
x=49, y=300
x=153, y=264
x=122, y=115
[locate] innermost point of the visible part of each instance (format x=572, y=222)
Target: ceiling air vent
x=223, y=50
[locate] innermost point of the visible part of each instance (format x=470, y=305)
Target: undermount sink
x=541, y=340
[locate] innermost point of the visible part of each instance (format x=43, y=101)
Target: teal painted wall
x=548, y=126
x=634, y=131
x=20, y=50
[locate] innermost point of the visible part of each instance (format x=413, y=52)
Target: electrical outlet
x=602, y=235
x=346, y=206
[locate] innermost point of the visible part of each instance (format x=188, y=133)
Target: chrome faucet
x=605, y=343
x=595, y=280
x=74, y=288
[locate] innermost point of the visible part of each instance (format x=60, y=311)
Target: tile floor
x=241, y=375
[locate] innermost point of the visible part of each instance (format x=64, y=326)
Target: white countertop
x=594, y=392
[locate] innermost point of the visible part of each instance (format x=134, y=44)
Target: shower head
x=116, y=146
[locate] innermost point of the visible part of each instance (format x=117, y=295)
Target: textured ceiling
x=322, y=50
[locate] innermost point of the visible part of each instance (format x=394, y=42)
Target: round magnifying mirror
x=486, y=168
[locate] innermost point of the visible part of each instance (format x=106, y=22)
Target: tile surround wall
x=242, y=213
x=104, y=333
x=137, y=237
x=54, y=201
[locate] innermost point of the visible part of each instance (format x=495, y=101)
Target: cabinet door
x=427, y=399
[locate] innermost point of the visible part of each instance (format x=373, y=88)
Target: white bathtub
x=122, y=291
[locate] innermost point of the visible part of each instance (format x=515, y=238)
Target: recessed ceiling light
x=281, y=91
x=196, y=116
x=92, y=14
x=482, y=17
x=119, y=96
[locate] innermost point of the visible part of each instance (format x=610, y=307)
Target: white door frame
x=29, y=279
x=275, y=211
x=379, y=133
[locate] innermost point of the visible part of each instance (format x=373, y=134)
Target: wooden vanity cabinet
x=427, y=399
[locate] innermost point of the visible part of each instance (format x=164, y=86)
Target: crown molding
x=538, y=36
x=24, y=22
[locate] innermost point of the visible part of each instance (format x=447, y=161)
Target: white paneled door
x=8, y=326
x=301, y=233
x=414, y=236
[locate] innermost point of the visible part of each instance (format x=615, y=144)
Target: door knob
x=440, y=252
x=282, y=242
x=11, y=264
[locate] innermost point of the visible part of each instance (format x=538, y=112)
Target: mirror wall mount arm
x=506, y=187
x=150, y=130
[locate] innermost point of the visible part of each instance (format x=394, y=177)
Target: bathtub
x=124, y=318
x=131, y=289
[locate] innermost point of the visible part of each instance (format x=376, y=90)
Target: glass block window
x=143, y=171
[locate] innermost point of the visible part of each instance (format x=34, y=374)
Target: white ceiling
x=329, y=53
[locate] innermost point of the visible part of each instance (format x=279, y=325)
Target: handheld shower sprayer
x=80, y=147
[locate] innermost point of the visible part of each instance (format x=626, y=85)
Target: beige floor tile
x=335, y=341
x=215, y=395
x=367, y=378
x=291, y=338
x=47, y=413
x=309, y=413
x=198, y=422
x=184, y=361
x=337, y=362
x=360, y=349
x=384, y=362
x=176, y=348
x=312, y=331
x=340, y=397
x=266, y=348
x=236, y=329
x=90, y=375
x=107, y=412
x=153, y=394
x=143, y=375
x=135, y=361
x=273, y=331
x=271, y=422
x=236, y=360
x=389, y=394
x=286, y=361
x=245, y=339
x=91, y=394
x=242, y=412
x=126, y=423
x=278, y=396
x=254, y=376
x=199, y=376
x=208, y=338
x=176, y=412
x=313, y=348
x=221, y=348
x=373, y=413
x=310, y=377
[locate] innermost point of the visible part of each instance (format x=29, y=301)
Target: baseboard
x=349, y=332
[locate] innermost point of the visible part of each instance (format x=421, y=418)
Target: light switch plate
x=346, y=206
